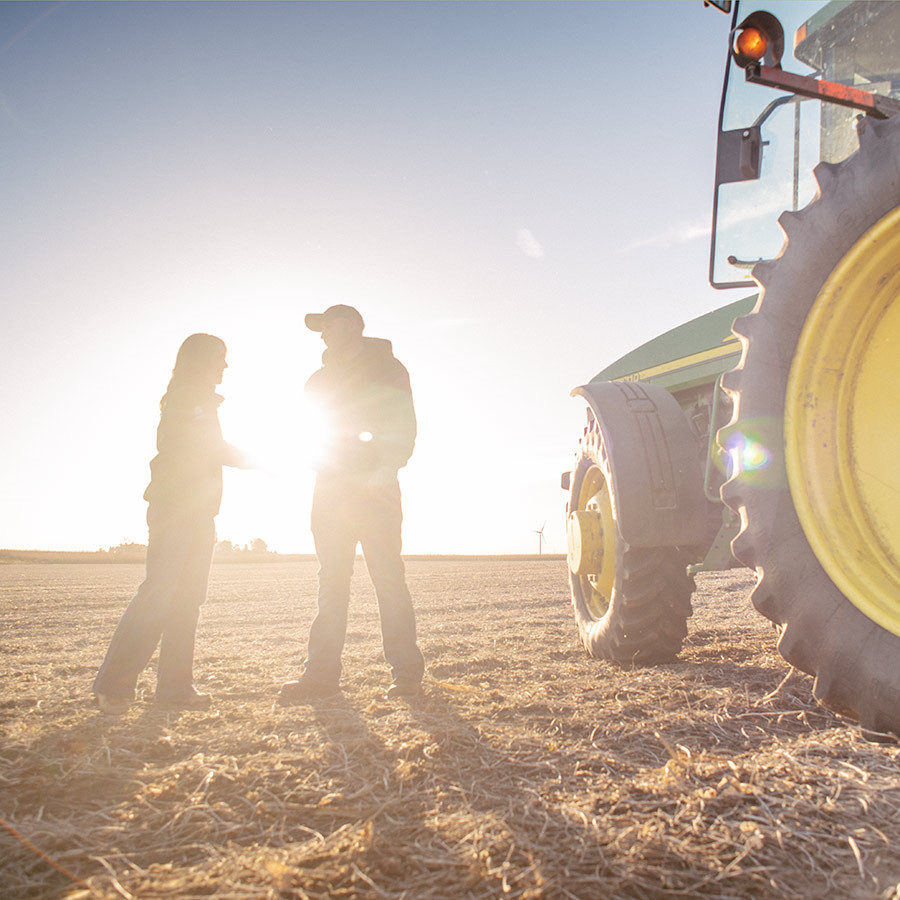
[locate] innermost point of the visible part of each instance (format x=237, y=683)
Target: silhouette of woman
x=184, y=494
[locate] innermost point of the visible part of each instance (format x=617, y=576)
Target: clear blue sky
x=514, y=193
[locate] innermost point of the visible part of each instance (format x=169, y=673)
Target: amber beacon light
x=752, y=43
x=758, y=40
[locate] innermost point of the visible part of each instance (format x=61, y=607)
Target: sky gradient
x=515, y=194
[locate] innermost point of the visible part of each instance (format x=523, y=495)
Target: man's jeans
x=165, y=609
x=345, y=513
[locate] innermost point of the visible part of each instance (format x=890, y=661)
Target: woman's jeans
x=165, y=609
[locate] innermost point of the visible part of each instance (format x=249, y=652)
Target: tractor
x=763, y=433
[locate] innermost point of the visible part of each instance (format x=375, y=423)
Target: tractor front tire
x=631, y=603
x=816, y=432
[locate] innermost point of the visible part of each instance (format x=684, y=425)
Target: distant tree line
x=256, y=547
x=127, y=548
x=131, y=552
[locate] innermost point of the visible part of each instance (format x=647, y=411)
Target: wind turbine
x=540, y=535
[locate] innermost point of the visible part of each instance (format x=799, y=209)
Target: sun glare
x=284, y=437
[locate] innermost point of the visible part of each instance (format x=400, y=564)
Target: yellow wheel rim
x=592, y=550
x=842, y=425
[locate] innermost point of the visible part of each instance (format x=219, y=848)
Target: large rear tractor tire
x=631, y=603
x=815, y=436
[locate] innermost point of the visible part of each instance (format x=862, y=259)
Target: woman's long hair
x=195, y=367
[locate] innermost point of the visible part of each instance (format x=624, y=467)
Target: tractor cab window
x=770, y=140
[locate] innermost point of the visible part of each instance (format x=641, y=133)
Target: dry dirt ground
x=526, y=771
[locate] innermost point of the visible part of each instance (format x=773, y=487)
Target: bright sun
x=282, y=440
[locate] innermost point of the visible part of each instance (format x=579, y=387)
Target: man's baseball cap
x=317, y=321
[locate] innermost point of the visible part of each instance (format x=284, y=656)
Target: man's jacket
x=368, y=405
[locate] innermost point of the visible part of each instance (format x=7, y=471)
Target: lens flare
x=748, y=454
x=754, y=456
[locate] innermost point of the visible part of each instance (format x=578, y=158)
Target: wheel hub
x=591, y=534
x=585, y=537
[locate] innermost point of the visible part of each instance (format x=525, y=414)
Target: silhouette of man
x=364, y=391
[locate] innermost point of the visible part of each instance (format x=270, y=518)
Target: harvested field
x=526, y=771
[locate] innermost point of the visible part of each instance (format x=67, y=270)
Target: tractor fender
x=654, y=463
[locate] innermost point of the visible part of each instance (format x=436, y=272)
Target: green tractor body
x=762, y=433
x=693, y=355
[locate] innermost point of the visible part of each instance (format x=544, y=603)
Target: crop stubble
x=526, y=770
